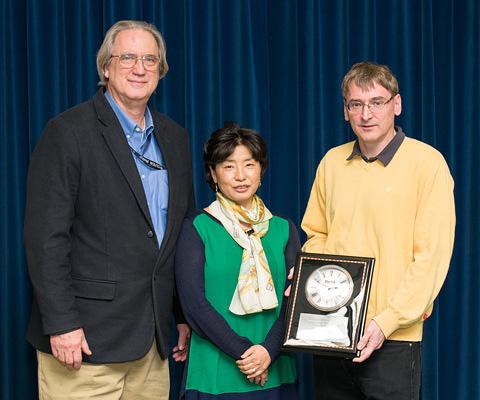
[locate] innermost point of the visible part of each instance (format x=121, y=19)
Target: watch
x=329, y=287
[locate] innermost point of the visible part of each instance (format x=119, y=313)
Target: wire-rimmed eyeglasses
x=375, y=106
x=129, y=60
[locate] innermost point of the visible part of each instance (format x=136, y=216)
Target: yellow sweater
x=403, y=215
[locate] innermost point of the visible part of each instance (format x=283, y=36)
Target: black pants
x=391, y=373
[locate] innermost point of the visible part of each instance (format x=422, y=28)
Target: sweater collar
x=386, y=155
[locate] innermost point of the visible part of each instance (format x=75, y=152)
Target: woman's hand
x=261, y=379
x=254, y=362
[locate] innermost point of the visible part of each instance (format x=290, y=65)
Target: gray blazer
x=92, y=253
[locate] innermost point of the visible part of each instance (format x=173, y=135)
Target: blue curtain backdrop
x=276, y=66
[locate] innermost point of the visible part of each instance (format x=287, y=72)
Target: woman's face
x=238, y=177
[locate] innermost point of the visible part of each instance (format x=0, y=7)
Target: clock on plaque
x=328, y=303
x=329, y=287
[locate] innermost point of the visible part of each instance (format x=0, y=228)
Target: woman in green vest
x=232, y=260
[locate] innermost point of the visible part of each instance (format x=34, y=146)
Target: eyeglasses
x=375, y=106
x=127, y=60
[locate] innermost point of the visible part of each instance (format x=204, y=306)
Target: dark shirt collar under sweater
x=386, y=155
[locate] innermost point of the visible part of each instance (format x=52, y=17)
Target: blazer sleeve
x=52, y=187
x=200, y=314
x=177, y=309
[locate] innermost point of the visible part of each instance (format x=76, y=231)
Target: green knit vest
x=209, y=369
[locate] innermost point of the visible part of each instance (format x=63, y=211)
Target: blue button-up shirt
x=155, y=182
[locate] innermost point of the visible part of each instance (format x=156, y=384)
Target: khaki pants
x=146, y=378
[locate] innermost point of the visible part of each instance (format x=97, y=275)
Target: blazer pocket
x=94, y=289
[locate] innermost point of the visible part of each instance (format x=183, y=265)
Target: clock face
x=329, y=287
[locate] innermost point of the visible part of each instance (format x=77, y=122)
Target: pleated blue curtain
x=15, y=356
x=276, y=66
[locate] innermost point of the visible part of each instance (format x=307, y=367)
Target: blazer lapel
x=118, y=145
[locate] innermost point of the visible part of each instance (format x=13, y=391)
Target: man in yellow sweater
x=390, y=197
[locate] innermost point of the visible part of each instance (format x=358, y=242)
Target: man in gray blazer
x=109, y=184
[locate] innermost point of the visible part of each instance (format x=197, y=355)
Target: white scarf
x=255, y=290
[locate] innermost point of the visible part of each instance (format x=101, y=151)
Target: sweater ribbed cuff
x=387, y=321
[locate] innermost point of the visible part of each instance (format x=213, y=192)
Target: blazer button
x=150, y=234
